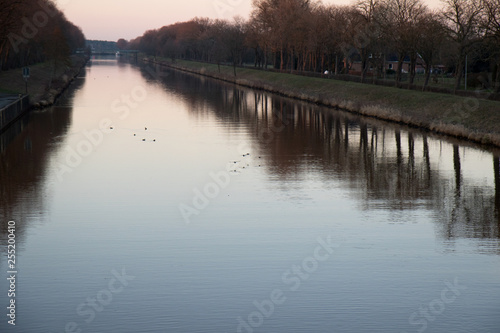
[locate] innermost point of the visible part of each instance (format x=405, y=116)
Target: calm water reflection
x=265, y=183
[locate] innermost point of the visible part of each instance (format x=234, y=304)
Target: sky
x=114, y=19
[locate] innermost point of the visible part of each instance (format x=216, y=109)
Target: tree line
x=36, y=31
x=305, y=35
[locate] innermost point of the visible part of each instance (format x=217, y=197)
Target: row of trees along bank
x=362, y=38
x=33, y=31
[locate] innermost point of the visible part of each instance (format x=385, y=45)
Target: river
x=149, y=200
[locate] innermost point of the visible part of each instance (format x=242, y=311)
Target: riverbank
x=45, y=84
x=471, y=118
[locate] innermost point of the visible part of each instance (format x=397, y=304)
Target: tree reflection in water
x=403, y=173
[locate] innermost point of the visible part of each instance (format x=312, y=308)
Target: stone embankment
x=45, y=89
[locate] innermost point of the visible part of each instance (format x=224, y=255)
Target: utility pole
x=26, y=75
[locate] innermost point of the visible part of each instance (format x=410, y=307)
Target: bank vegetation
x=36, y=31
x=398, y=40
x=467, y=118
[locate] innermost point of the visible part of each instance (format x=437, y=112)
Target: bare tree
x=366, y=32
x=280, y=20
x=215, y=36
x=399, y=19
x=235, y=40
x=256, y=41
x=462, y=19
x=491, y=26
x=25, y=41
x=432, y=36
x=263, y=27
x=336, y=34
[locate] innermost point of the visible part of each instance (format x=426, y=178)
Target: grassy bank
x=46, y=82
x=468, y=118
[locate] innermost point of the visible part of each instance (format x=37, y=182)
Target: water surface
x=211, y=201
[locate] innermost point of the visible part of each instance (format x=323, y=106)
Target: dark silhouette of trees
x=308, y=36
x=367, y=32
x=491, y=26
x=35, y=31
x=234, y=36
x=432, y=36
x=285, y=24
x=122, y=44
x=10, y=14
x=399, y=19
x=462, y=21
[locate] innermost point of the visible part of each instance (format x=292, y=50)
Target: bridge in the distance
x=116, y=52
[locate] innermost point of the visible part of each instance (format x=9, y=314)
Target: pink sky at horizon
x=109, y=20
